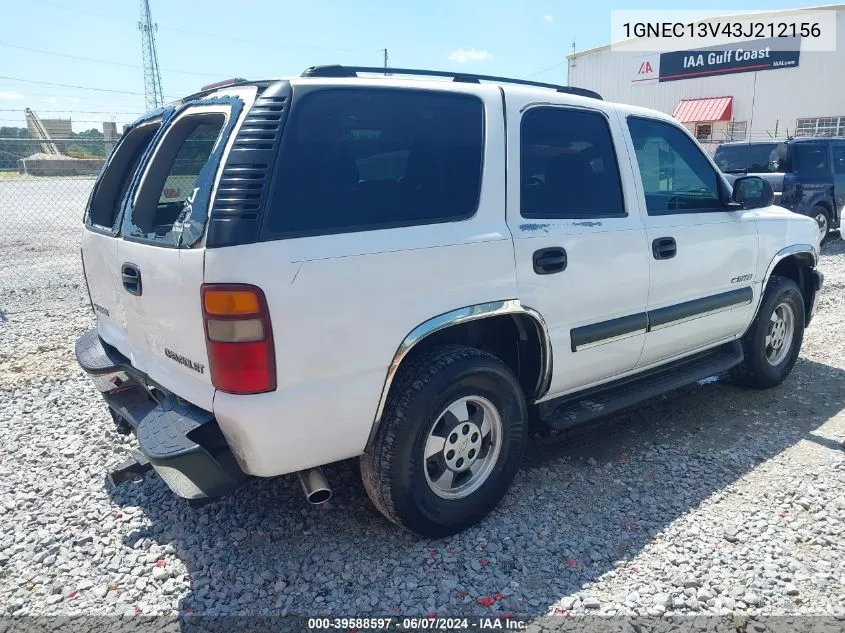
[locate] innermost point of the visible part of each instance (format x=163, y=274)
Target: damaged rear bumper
x=182, y=442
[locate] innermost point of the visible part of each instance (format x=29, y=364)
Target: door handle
x=549, y=260
x=664, y=248
x=131, y=276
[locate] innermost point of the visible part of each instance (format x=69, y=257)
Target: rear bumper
x=181, y=441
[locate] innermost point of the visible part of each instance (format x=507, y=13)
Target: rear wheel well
x=797, y=268
x=832, y=216
x=824, y=204
x=516, y=339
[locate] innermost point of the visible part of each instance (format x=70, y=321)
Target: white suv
x=411, y=271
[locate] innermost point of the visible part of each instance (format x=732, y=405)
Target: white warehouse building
x=720, y=98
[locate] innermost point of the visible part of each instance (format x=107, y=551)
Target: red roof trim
x=704, y=110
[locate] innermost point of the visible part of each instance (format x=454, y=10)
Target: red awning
x=704, y=110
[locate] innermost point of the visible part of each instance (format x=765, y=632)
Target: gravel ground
x=713, y=500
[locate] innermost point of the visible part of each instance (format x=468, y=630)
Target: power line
x=102, y=61
x=48, y=83
x=21, y=110
x=545, y=70
x=74, y=120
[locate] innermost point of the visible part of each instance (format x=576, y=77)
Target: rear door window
x=838, y=152
x=751, y=158
x=568, y=166
x=358, y=159
x=179, y=170
x=117, y=176
x=809, y=159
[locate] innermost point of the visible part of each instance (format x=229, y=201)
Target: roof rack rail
x=352, y=71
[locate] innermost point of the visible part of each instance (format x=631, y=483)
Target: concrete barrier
x=62, y=166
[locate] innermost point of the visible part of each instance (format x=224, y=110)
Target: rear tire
x=449, y=443
x=772, y=343
x=822, y=218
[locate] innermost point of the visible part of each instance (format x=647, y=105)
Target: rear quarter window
x=357, y=159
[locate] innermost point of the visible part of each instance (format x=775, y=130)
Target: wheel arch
x=793, y=262
x=497, y=324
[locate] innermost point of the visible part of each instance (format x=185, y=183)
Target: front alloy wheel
x=772, y=343
x=781, y=330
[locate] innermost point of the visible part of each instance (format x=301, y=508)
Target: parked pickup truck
x=807, y=174
x=412, y=272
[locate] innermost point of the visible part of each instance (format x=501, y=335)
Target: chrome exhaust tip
x=314, y=485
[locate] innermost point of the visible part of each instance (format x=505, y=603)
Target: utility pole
x=153, y=94
x=384, y=50
x=569, y=64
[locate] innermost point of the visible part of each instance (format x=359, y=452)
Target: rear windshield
x=361, y=159
x=163, y=204
x=752, y=158
x=114, y=183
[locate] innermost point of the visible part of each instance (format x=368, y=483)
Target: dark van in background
x=806, y=174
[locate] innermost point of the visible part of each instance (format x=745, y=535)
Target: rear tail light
x=239, y=338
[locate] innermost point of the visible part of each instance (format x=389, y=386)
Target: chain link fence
x=42, y=199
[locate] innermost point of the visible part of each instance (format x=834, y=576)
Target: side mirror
x=752, y=192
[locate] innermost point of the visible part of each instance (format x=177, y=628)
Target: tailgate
x=157, y=266
x=101, y=237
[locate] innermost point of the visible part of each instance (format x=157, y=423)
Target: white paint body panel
x=713, y=248
x=607, y=269
x=341, y=305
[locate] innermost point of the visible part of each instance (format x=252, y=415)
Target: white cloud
x=548, y=18
x=462, y=55
x=10, y=95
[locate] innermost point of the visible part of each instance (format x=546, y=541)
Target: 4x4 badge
x=736, y=280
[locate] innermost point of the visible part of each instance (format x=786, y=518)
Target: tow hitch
x=132, y=469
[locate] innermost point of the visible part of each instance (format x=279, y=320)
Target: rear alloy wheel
x=822, y=218
x=449, y=443
x=462, y=447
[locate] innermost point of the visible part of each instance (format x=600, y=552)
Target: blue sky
x=269, y=38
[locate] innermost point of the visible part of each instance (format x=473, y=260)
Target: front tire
x=449, y=443
x=773, y=341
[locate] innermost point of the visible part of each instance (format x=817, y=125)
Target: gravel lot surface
x=713, y=499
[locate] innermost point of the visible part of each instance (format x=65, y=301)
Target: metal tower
x=153, y=94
